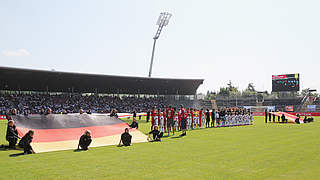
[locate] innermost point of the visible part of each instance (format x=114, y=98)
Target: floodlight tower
x=163, y=20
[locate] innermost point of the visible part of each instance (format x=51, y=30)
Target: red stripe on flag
x=52, y=135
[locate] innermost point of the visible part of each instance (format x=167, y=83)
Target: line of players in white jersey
x=200, y=119
x=235, y=119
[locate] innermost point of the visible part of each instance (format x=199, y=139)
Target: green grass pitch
x=259, y=151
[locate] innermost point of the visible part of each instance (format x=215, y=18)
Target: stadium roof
x=16, y=79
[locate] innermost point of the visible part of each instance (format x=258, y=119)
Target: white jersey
x=156, y=118
x=196, y=121
x=203, y=119
x=234, y=121
x=176, y=121
x=189, y=120
x=161, y=121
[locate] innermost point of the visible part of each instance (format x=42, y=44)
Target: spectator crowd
x=73, y=103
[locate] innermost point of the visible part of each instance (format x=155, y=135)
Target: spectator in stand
x=38, y=103
x=48, y=111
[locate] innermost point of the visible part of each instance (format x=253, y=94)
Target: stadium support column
x=151, y=63
x=163, y=20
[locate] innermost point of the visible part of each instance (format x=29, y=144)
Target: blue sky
x=242, y=41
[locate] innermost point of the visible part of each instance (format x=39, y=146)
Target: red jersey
x=170, y=113
x=183, y=113
x=153, y=114
x=159, y=115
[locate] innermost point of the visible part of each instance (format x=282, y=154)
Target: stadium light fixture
x=162, y=21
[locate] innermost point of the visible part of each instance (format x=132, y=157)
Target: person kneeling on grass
x=125, y=138
x=85, y=141
x=134, y=123
x=25, y=142
x=157, y=135
x=12, y=135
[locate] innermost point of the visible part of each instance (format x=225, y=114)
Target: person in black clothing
x=89, y=111
x=157, y=135
x=12, y=135
x=269, y=116
x=305, y=119
x=125, y=138
x=25, y=143
x=113, y=113
x=207, y=118
x=283, y=118
x=134, y=114
x=148, y=116
x=85, y=141
x=273, y=117
x=278, y=118
x=213, y=117
x=134, y=124
x=266, y=116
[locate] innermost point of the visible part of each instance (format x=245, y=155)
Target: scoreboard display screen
x=285, y=82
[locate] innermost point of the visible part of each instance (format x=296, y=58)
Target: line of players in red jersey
x=171, y=119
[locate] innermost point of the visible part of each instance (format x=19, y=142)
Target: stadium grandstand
x=31, y=91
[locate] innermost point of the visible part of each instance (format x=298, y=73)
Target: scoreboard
x=285, y=82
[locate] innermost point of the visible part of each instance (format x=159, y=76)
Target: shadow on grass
x=175, y=137
x=79, y=150
x=15, y=155
x=6, y=148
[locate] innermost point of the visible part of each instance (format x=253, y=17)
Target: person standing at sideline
x=183, y=115
x=148, y=116
x=273, y=117
x=154, y=118
x=207, y=118
x=269, y=116
x=170, y=123
x=266, y=115
x=213, y=117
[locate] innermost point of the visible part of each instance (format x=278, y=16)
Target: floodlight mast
x=163, y=20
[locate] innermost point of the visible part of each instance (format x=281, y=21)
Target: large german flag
x=291, y=118
x=62, y=131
